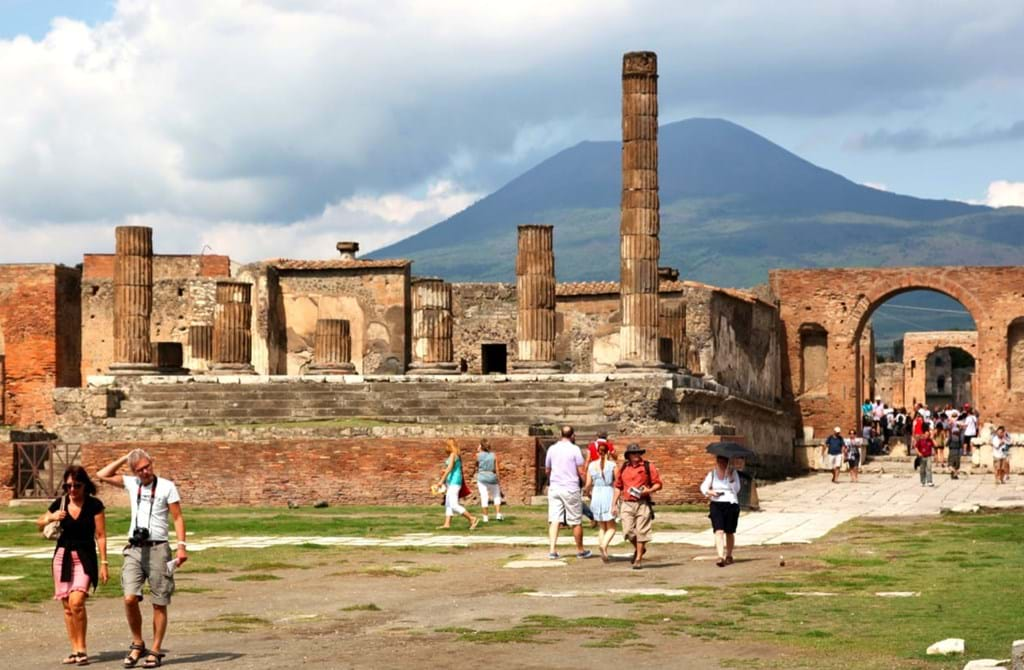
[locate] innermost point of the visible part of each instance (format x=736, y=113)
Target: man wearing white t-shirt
x=563, y=465
x=147, y=558
x=970, y=422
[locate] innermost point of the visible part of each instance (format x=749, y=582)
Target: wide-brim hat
x=635, y=448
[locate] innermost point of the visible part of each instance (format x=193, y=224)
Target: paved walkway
x=792, y=512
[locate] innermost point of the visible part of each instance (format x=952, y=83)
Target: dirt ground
x=301, y=619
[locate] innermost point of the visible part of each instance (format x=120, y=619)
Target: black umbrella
x=730, y=450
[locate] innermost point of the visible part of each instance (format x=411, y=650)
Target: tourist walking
x=939, y=438
x=1001, y=442
x=604, y=496
x=970, y=418
x=147, y=558
x=925, y=450
x=851, y=453
x=453, y=482
x=487, y=481
x=593, y=449
x=721, y=487
x=563, y=465
x=637, y=481
x=954, y=445
x=832, y=452
x=82, y=520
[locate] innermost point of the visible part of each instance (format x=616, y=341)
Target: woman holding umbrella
x=721, y=487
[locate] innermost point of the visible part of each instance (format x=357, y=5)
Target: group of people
x=618, y=493
x=80, y=556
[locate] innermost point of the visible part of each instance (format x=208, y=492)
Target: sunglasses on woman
x=75, y=486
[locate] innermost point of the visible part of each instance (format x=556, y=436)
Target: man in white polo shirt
x=564, y=467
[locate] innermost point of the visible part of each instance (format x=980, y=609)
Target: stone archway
x=918, y=355
x=842, y=301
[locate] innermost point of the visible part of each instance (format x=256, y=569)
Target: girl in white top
x=722, y=486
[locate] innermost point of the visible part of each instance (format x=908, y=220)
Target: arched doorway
x=949, y=377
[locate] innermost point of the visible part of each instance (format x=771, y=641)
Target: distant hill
x=733, y=206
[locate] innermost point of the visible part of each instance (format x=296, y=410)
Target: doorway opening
x=493, y=359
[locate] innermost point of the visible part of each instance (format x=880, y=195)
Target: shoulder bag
x=52, y=530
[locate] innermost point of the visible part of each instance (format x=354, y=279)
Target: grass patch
x=399, y=570
x=259, y=577
x=368, y=607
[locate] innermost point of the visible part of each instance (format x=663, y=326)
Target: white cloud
x=878, y=186
x=214, y=116
x=373, y=221
x=1005, y=194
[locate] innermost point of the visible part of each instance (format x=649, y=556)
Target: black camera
x=140, y=536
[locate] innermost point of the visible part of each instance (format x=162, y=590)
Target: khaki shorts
x=565, y=507
x=147, y=564
x=636, y=520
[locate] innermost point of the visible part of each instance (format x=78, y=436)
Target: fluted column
x=133, y=301
x=432, y=351
x=232, y=329
x=200, y=347
x=535, y=296
x=639, y=245
x=672, y=325
x=332, y=349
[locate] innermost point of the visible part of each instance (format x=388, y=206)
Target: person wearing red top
x=637, y=480
x=925, y=449
x=595, y=454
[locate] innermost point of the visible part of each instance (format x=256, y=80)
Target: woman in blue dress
x=603, y=496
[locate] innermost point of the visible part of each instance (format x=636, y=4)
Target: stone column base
x=232, y=369
x=119, y=369
x=535, y=368
x=433, y=369
x=331, y=369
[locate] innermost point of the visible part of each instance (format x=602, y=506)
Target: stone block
x=952, y=645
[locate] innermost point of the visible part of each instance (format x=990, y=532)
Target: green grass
x=258, y=577
x=368, y=607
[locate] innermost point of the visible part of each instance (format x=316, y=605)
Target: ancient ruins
x=304, y=369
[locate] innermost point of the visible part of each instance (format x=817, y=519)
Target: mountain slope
x=733, y=206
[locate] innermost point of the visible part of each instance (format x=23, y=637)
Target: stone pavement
x=794, y=511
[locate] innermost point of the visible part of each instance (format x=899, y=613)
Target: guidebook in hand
x=172, y=565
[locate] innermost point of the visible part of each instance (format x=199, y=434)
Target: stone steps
x=473, y=420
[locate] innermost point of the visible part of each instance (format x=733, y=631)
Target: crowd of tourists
x=935, y=436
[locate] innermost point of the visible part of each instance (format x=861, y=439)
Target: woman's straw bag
x=52, y=530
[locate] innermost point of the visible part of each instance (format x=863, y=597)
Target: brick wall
x=842, y=301
x=34, y=363
x=380, y=471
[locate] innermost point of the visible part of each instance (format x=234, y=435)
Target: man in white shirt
x=147, y=558
x=1001, y=442
x=564, y=465
x=970, y=423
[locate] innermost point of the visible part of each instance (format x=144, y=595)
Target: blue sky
x=275, y=127
x=33, y=17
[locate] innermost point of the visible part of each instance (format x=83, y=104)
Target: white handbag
x=52, y=530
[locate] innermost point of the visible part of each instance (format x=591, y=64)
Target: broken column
x=133, y=301
x=639, y=246
x=432, y=351
x=535, y=295
x=332, y=349
x=232, y=329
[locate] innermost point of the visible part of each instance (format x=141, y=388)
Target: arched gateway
x=838, y=303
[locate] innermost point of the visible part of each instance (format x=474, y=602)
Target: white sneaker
x=486, y=520
x=499, y=517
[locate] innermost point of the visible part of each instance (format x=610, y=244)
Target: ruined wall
x=38, y=322
x=375, y=302
x=587, y=332
x=483, y=314
x=889, y=383
x=842, y=301
x=184, y=290
x=919, y=370
x=1015, y=354
x=745, y=353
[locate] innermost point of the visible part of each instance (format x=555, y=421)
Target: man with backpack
x=637, y=480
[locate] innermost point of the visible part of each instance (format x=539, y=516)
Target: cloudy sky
x=263, y=128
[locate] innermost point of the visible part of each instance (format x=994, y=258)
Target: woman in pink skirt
x=75, y=569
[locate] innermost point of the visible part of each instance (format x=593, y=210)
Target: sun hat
x=837, y=429
x=635, y=448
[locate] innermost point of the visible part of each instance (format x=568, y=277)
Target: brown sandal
x=131, y=660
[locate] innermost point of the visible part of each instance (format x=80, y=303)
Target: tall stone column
x=200, y=346
x=232, y=329
x=639, y=245
x=672, y=324
x=535, y=295
x=332, y=350
x=432, y=351
x=133, y=301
